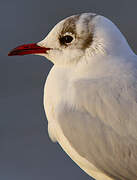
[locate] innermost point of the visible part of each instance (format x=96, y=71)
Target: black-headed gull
x=90, y=95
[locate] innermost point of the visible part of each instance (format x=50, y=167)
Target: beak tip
x=10, y=54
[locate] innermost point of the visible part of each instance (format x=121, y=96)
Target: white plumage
x=90, y=100
x=90, y=96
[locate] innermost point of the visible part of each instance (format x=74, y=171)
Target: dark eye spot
x=66, y=39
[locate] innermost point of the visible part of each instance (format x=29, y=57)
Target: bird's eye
x=66, y=39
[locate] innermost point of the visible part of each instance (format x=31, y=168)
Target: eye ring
x=67, y=39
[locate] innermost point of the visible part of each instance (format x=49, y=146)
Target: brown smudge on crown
x=87, y=40
x=70, y=25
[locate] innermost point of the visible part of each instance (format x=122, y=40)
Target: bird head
x=76, y=38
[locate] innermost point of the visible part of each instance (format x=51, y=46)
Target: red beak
x=28, y=49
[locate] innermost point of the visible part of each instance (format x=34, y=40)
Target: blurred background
x=26, y=152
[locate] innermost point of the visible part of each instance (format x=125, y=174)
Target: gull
x=90, y=95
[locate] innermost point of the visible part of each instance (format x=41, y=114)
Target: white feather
x=90, y=100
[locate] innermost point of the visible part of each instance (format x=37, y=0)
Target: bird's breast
x=55, y=93
x=58, y=99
